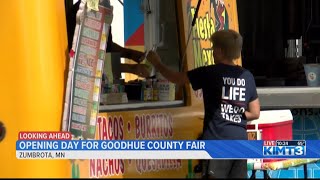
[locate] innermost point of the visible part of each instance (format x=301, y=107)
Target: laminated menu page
x=86, y=68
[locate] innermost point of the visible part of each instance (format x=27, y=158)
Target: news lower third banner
x=166, y=149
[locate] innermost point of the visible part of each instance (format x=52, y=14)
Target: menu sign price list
x=89, y=60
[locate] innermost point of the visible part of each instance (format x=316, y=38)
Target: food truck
x=152, y=108
x=37, y=96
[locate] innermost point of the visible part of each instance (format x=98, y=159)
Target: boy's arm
x=180, y=78
x=253, y=111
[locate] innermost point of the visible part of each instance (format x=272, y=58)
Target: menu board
x=88, y=68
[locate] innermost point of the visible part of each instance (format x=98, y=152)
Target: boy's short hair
x=229, y=41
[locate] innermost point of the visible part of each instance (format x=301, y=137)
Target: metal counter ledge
x=140, y=105
x=270, y=98
x=289, y=97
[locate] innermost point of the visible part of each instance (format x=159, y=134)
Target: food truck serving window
x=279, y=41
x=128, y=91
x=282, y=50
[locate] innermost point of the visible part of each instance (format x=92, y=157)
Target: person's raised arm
x=137, y=56
x=180, y=78
x=137, y=69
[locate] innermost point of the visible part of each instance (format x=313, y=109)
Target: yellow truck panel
x=32, y=74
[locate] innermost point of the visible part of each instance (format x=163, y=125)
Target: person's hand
x=153, y=58
x=137, y=56
x=141, y=70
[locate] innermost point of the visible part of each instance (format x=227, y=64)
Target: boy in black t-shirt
x=229, y=95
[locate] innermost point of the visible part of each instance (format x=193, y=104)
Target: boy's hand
x=153, y=58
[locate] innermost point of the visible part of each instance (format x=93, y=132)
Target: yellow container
x=32, y=74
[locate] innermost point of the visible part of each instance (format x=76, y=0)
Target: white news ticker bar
x=123, y=154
